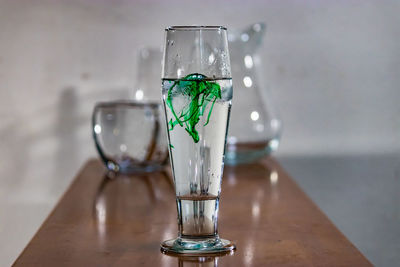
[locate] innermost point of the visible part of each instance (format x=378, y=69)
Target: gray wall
x=333, y=66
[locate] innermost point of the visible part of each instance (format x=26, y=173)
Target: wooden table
x=121, y=222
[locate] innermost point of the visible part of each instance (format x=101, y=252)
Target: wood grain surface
x=121, y=222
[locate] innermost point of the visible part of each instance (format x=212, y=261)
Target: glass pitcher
x=255, y=127
x=147, y=87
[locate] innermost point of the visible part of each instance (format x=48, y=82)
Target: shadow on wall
x=72, y=128
x=66, y=130
x=17, y=157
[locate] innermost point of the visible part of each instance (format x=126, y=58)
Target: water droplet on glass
x=139, y=94
x=123, y=147
x=254, y=115
x=248, y=61
x=97, y=129
x=247, y=81
x=244, y=37
x=257, y=27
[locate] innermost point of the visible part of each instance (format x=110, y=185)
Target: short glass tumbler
x=197, y=94
x=129, y=137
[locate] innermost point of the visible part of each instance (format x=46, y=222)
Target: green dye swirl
x=201, y=92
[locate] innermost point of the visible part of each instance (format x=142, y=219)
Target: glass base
x=243, y=153
x=125, y=167
x=197, y=246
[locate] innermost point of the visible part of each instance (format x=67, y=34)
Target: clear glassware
x=255, y=126
x=129, y=136
x=147, y=87
x=197, y=93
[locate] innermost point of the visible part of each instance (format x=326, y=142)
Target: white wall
x=333, y=66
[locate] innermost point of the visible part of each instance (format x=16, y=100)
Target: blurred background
x=332, y=68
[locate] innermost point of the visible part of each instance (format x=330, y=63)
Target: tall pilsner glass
x=197, y=94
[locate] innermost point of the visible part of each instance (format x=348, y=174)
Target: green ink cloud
x=201, y=92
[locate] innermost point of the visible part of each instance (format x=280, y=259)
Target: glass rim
x=126, y=103
x=195, y=28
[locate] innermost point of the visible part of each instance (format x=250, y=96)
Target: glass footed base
x=197, y=246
